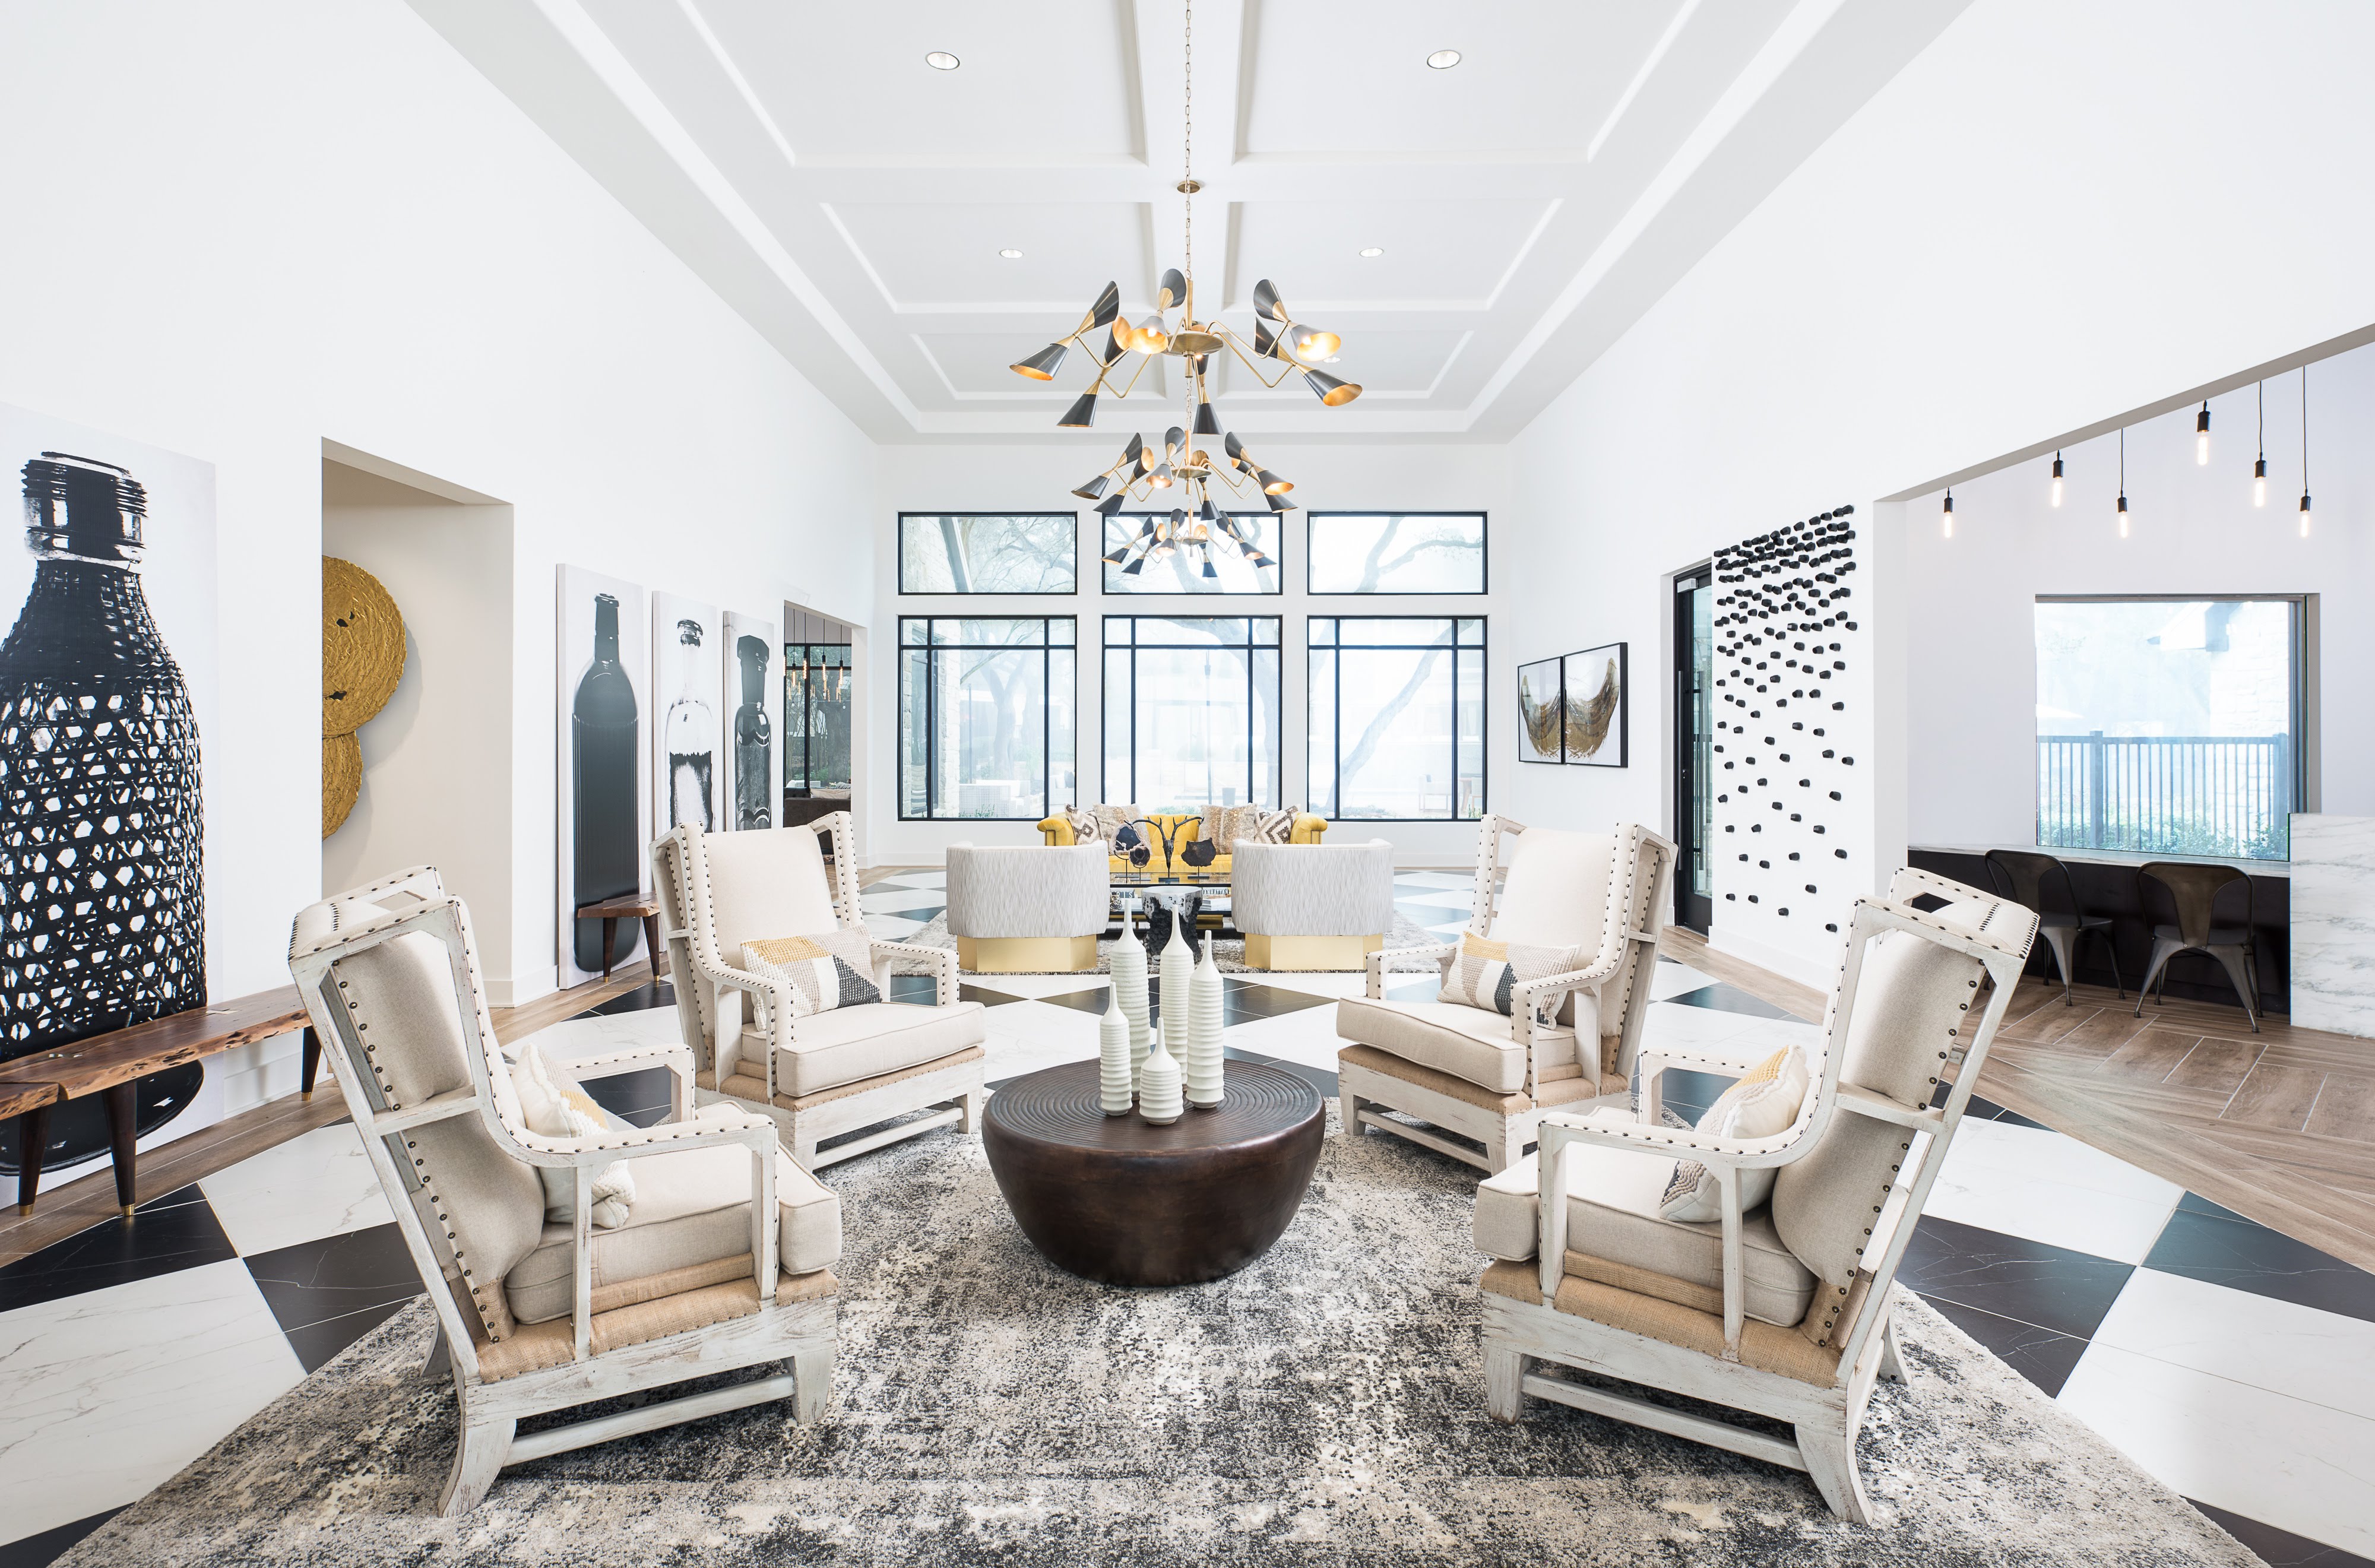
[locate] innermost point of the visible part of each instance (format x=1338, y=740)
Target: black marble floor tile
x=1268, y=1001
x=1731, y=1000
x=41, y=1550
x=1318, y=1077
x=2049, y=1287
x=176, y=1231
x=1680, y=1086
x=1094, y=1001
x=2226, y=1249
x=651, y=993
x=966, y=992
x=2280, y=1548
x=318, y=1344
x=334, y=1278
x=643, y=1097
x=2041, y=1355
x=2195, y=1203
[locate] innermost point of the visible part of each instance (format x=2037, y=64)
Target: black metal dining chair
x=2193, y=892
x=2022, y=876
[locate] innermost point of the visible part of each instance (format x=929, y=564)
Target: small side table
x=644, y=907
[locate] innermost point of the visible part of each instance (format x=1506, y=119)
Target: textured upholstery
x=547, y=1344
x=1293, y=889
x=1466, y=1041
x=1026, y=892
x=831, y=1049
x=1557, y=891
x=765, y=883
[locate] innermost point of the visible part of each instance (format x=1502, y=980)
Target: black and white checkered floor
x=2233, y=1362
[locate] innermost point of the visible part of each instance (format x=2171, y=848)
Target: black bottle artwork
x=753, y=739
x=102, y=907
x=602, y=766
x=692, y=739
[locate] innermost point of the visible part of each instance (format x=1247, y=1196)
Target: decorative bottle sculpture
x=1158, y=1087
x=1114, y=1075
x=1129, y=990
x=103, y=913
x=606, y=753
x=692, y=735
x=1179, y=963
x=754, y=758
x=1202, y=1067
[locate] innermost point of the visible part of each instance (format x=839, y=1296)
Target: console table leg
x=124, y=1127
x=32, y=1143
x=609, y=934
x=652, y=946
x=313, y=1062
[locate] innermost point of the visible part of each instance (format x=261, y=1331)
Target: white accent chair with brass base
x=1568, y=1040
x=1035, y=910
x=822, y=1074
x=723, y=1262
x=1309, y=906
x=1779, y=1307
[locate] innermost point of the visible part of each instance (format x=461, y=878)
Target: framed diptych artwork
x=1595, y=706
x=1540, y=713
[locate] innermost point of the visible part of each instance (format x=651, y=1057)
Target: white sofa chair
x=830, y=1073
x=1782, y=1311
x=1312, y=905
x=724, y=1260
x=1028, y=910
x=1570, y=1038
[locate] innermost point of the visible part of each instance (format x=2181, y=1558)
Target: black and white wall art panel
x=689, y=729
x=605, y=805
x=108, y=691
x=1790, y=782
x=753, y=659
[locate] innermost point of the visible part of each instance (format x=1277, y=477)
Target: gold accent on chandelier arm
x=1222, y=331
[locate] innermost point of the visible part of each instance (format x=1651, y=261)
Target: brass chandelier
x=1181, y=465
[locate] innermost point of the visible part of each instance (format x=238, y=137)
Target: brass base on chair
x=1027, y=955
x=1310, y=952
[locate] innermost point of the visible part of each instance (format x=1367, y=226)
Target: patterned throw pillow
x=1486, y=974
x=1087, y=826
x=1271, y=827
x=1113, y=818
x=834, y=970
x=557, y=1105
x=1761, y=1105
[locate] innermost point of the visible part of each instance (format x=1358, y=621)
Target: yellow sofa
x=1058, y=829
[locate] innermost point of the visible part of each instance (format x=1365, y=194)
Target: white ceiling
x=851, y=200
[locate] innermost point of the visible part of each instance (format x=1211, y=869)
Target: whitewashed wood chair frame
x=1541, y=1017
x=704, y=982
x=1825, y=1418
x=801, y=1332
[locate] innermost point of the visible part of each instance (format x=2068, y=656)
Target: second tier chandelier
x=1180, y=465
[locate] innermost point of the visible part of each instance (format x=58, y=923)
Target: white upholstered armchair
x=1568, y=1039
x=723, y=1262
x=818, y=1074
x=1778, y=1306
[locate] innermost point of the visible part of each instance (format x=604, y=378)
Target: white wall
x=1346, y=477
x=255, y=224
x=2055, y=213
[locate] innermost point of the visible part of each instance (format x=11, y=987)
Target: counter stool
x=2193, y=890
x=2019, y=874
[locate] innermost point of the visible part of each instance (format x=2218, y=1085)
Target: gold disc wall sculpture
x=362, y=660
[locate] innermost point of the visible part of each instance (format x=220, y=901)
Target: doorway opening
x=1694, y=733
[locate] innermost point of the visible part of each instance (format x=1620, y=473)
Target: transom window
x=1396, y=553
x=1398, y=717
x=986, y=716
x=1182, y=572
x=1191, y=711
x=980, y=552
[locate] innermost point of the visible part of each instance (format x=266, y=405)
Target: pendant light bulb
x=2304, y=505
x=2123, y=515
x=2259, y=482
x=1947, y=517
x=2304, y=514
x=2201, y=436
x=2057, y=479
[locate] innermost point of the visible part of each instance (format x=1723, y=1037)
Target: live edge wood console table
x=111, y=1064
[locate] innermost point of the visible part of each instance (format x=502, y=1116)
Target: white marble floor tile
x=2043, y=1187
x=318, y=1184
x=1317, y=983
x=1450, y=930
x=2299, y=1466
x=1040, y=984
x=1465, y=880
x=574, y=1039
x=890, y=929
x=105, y=1395
x=1307, y=1035
x=2323, y=1358
x=892, y=901
x=1676, y=980
x=912, y=880
x=1462, y=899
x=1026, y=1036
x=1672, y=1024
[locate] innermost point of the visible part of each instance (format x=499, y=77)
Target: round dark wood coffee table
x=1117, y=1199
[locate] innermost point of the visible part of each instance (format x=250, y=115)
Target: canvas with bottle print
x=689, y=691
x=108, y=693
x=605, y=714
x=753, y=662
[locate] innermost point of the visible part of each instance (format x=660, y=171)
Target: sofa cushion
x=1613, y=1196
x=1465, y=1041
x=764, y=883
x=850, y=1044
x=693, y=1208
x=1556, y=894
x=831, y=968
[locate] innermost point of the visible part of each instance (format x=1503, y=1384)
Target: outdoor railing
x=2167, y=793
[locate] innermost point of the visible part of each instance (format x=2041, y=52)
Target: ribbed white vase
x=1128, y=965
x=1114, y=1077
x=1178, y=964
x=1202, y=1066
x=1159, y=1099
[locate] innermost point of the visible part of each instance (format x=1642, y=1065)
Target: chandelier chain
x=1187, y=134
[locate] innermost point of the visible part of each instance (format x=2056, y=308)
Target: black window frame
x=807, y=729
x=899, y=565
x=1106, y=570
x=1483, y=645
x=1485, y=560
x=1251, y=646
x=1045, y=645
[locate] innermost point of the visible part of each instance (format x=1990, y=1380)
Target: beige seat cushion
x=691, y=1209
x=1612, y=1214
x=851, y=1044
x=1467, y=1042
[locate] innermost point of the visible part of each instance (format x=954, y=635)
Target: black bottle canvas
x=754, y=762
x=604, y=757
x=103, y=908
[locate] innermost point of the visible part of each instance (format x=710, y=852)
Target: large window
x=1405, y=552
x=816, y=719
x=1182, y=572
x=2169, y=725
x=1398, y=717
x=987, y=553
x=986, y=717
x=1191, y=711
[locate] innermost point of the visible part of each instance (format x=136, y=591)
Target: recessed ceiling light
x=1011, y=255
x=1443, y=59
x=942, y=60
x=1374, y=251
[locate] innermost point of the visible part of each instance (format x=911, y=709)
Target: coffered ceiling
x=1527, y=205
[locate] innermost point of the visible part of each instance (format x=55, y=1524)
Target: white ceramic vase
x=1114, y=1075
x=1159, y=1100
x=1178, y=965
x=1129, y=964
x=1202, y=1066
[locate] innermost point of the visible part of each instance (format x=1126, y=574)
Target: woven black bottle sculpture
x=103, y=909
x=604, y=758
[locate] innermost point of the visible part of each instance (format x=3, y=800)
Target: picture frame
x=1542, y=712
x=1596, y=706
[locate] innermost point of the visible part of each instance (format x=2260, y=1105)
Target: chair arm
x=1055, y=830
x=1308, y=829
x=1697, y=1059
x=592, y=1150
x=609, y=1063
x=1609, y=1128
x=940, y=963
x=775, y=1013
x=1375, y=963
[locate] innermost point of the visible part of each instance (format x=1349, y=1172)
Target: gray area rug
x=1324, y=1406
x=1228, y=952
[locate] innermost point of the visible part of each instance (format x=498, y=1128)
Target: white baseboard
x=1780, y=961
x=521, y=988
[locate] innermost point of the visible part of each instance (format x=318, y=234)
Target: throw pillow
x=1087, y=826
x=1761, y=1105
x=557, y=1105
x=1486, y=974
x=1113, y=818
x=832, y=970
x=1271, y=827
